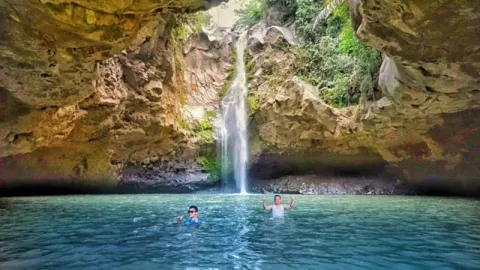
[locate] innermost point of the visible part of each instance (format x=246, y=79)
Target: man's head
x=192, y=211
x=277, y=199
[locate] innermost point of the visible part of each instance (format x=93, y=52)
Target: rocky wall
x=88, y=88
x=421, y=129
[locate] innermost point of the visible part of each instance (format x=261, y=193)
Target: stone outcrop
x=207, y=57
x=165, y=177
x=430, y=99
x=49, y=48
x=315, y=185
x=87, y=88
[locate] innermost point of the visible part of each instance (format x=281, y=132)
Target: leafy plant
x=204, y=131
x=335, y=61
x=253, y=104
x=210, y=165
x=305, y=13
x=189, y=24
x=249, y=65
x=251, y=14
x=230, y=75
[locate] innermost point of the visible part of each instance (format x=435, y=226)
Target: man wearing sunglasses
x=192, y=215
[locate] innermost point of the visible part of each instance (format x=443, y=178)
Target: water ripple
x=322, y=232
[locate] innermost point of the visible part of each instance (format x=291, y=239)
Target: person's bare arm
x=265, y=206
x=290, y=206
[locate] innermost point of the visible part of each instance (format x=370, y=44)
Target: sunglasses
x=190, y=211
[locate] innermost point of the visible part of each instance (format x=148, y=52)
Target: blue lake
x=321, y=232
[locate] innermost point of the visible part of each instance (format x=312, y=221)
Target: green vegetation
x=204, y=131
x=210, y=165
x=249, y=65
x=186, y=25
x=250, y=14
x=253, y=104
x=339, y=64
x=252, y=99
x=254, y=11
x=335, y=61
x=230, y=75
x=305, y=12
x=189, y=24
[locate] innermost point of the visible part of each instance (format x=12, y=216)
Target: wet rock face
x=207, y=60
x=324, y=185
x=169, y=177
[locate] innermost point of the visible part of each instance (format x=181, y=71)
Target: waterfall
x=233, y=130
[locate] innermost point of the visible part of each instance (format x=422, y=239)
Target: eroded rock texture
x=89, y=86
x=97, y=92
x=425, y=123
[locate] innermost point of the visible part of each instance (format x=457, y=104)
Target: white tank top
x=278, y=211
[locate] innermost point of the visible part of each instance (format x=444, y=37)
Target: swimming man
x=278, y=209
x=192, y=215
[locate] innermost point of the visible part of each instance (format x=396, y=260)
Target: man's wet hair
x=277, y=196
x=194, y=207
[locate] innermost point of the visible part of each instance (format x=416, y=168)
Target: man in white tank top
x=278, y=209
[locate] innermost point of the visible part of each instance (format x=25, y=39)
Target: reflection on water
x=322, y=232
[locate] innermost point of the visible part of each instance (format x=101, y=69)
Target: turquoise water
x=322, y=232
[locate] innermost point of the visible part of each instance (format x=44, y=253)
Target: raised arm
x=265, y=206
x=292, y=201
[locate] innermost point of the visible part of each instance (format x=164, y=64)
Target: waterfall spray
x=234, y=140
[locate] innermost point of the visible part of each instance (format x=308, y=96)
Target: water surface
x=322, y=232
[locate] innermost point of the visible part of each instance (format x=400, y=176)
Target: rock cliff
x=422, y=129
x=88, y=87
x=100, y=94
